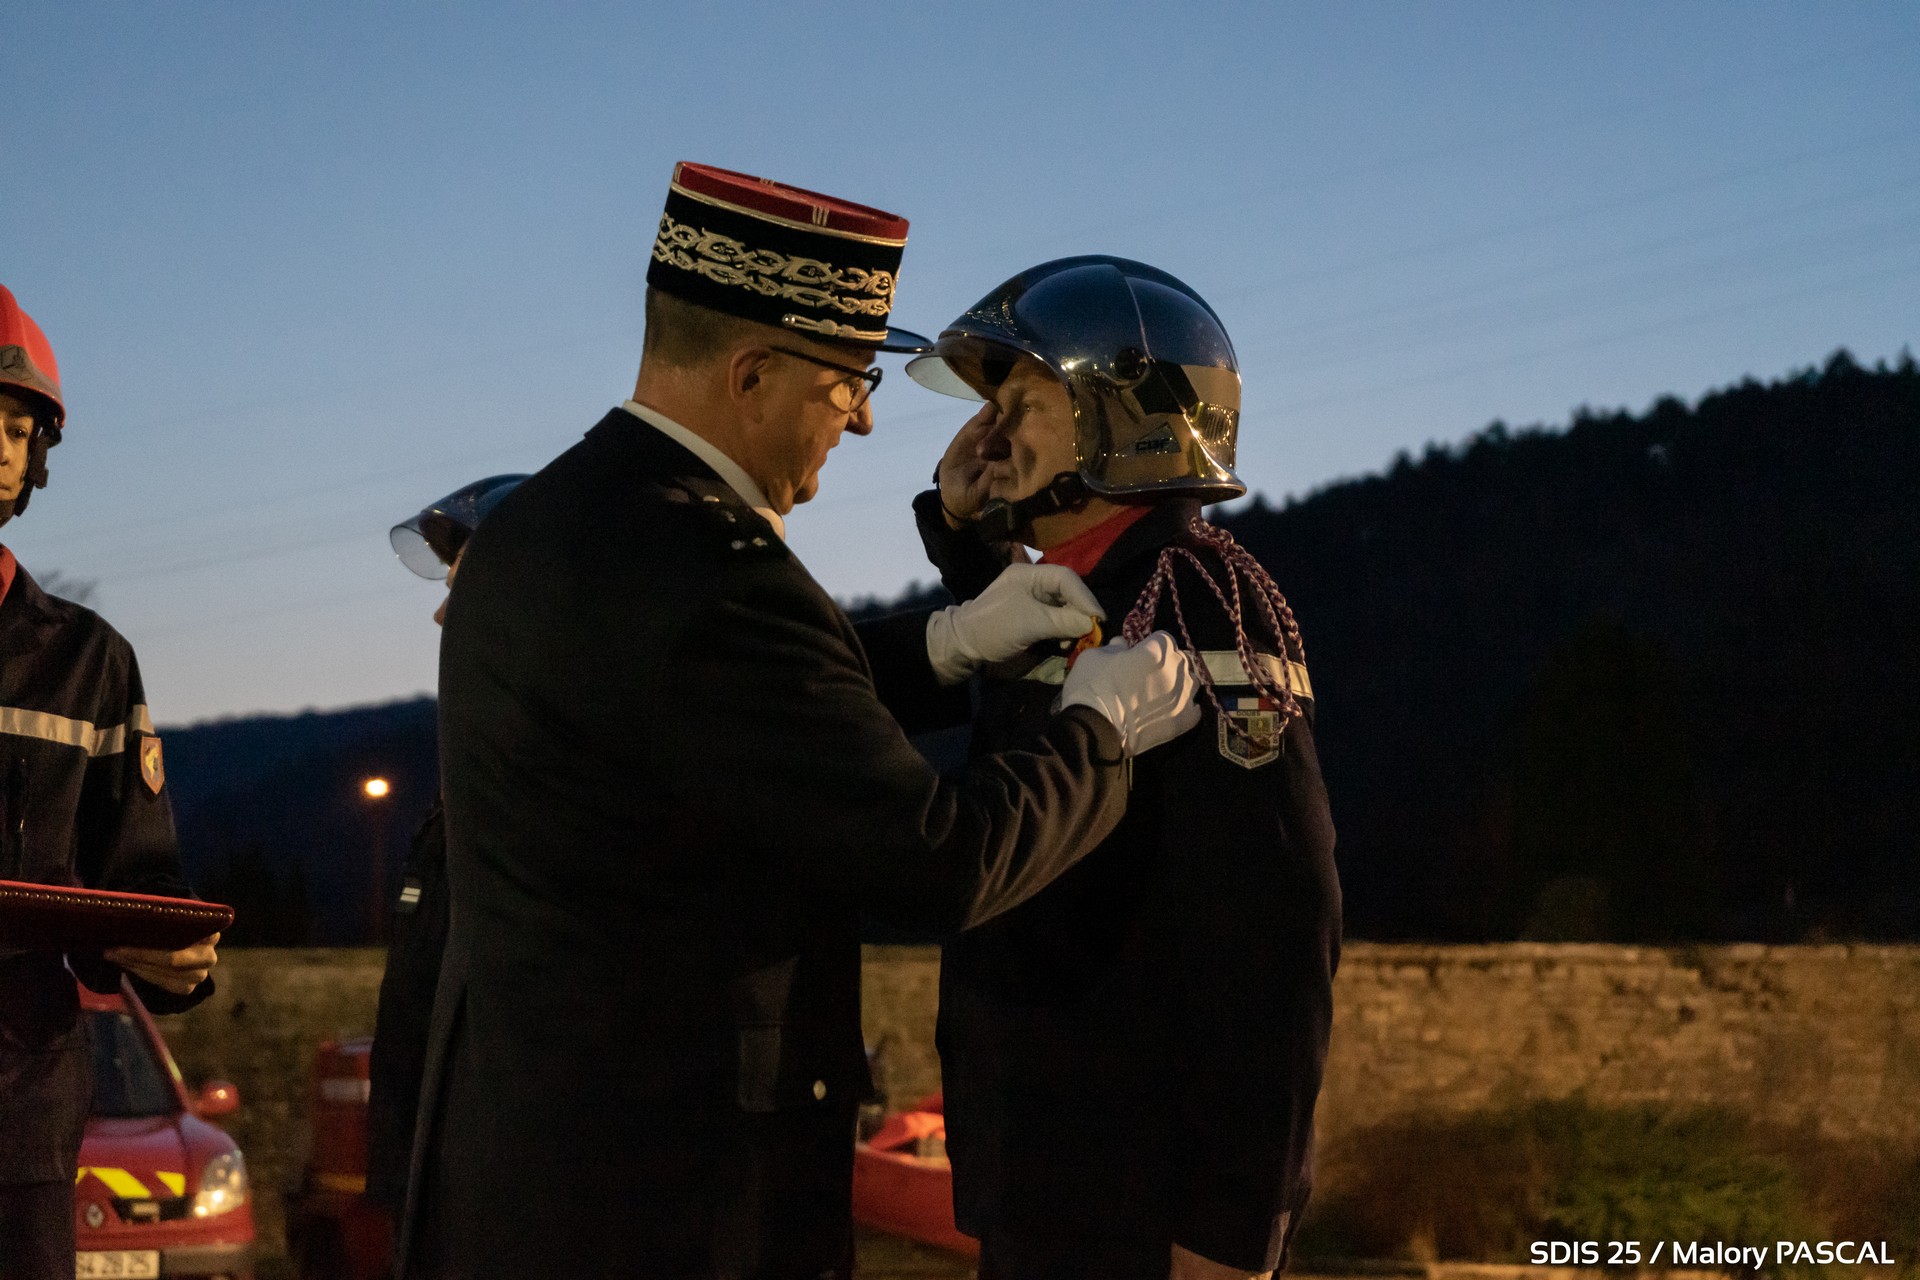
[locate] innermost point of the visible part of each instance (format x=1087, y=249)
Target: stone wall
x=1825, y=1037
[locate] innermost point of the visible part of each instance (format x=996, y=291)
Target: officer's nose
x=860, y=421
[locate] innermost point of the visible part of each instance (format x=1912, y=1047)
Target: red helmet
x=26, y=357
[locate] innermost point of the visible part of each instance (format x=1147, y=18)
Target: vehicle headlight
x=223, y=1186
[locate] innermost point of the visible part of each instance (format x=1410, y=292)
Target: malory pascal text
x=1709, y=1253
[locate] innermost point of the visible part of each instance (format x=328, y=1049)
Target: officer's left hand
x=1188, y=1265
x=176, y=971
x=1026, y=604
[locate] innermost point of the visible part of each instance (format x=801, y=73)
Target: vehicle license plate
x=118, y=1263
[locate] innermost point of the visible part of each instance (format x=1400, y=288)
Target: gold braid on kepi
x=782, y=256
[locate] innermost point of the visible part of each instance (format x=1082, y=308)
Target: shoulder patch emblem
x=153, y=768
x=1249, y=731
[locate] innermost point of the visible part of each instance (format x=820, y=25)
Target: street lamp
x=376, y=789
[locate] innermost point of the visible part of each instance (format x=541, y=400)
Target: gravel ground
x=884, y=1257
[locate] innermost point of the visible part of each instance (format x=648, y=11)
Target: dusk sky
x=308, y=267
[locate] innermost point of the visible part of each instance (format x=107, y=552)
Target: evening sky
x=307, y=267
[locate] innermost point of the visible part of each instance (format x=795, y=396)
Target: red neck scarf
x=1085, y=549
x=7, y=565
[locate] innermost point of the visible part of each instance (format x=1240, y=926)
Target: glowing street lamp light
x=376, y=790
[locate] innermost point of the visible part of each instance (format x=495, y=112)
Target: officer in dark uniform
x=83, y=802
x=1131, y=1059
x=429, y=543
x=675, y=778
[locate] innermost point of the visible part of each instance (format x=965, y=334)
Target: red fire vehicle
x=333, y=1231
x=161, y=1192
x=902, y=1182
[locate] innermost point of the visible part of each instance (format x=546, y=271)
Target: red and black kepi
x=782, y=256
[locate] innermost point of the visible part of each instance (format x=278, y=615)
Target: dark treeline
x=1648, y=678
x=274, y=818
x=1652, y=678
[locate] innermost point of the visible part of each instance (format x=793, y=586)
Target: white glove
x=1147, y=691
x=1026, y=604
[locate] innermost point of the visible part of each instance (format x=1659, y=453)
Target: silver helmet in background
x=1152, y=375
x=429, y=541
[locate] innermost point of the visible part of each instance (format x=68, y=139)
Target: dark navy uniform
x=77, y=808
x=1131, y=1059
x=415, y=946
x=672, y=784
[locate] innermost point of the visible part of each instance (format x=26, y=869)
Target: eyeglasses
x=858, y=384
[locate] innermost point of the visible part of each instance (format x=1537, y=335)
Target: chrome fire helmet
x=1153, y=378
x=428, y=542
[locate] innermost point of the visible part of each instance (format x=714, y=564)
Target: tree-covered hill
x=1650, y=677
x=274, y=817
x=1653, y=677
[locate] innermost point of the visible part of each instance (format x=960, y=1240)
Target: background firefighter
x=84, y=803
x=1131, y=1059
x=429, y=543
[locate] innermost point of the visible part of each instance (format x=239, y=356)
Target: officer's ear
x=746, y=377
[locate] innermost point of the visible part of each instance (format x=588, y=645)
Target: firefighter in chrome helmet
x=1175, y=987
x=1149, y=369
x=430, y=543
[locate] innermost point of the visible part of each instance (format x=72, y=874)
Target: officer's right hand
x=1147, y=691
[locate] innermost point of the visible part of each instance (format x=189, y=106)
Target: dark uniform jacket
x=75, y=809
x=416, y=943
x=671, y=787
x=1131, y=1059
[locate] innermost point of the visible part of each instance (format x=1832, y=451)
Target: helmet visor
x=428, y=542
x=965, y=366
x=416, y=551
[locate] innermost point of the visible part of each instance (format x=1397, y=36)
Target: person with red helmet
x=83, y=802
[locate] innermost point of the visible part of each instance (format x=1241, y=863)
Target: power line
x=1507, y=312
x=1879, y=277
x=1576, y=213
x=1640, y=106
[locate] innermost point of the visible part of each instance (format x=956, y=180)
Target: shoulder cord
x=1273, y=607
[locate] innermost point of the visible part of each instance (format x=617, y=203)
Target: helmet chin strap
x=44, y=438
x=1001, y=520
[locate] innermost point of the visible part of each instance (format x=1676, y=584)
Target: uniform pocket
x=13, y=820
x=39, y=1004
x=776, y=1074
x=759, y=1068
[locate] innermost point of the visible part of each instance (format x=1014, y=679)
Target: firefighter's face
x=440, y=614
x=16, y=433
x=1032, y=441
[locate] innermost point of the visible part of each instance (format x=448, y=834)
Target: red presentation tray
x=48, y=917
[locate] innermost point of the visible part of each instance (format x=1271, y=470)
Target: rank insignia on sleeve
x=1250, y=731
x=153, y=769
